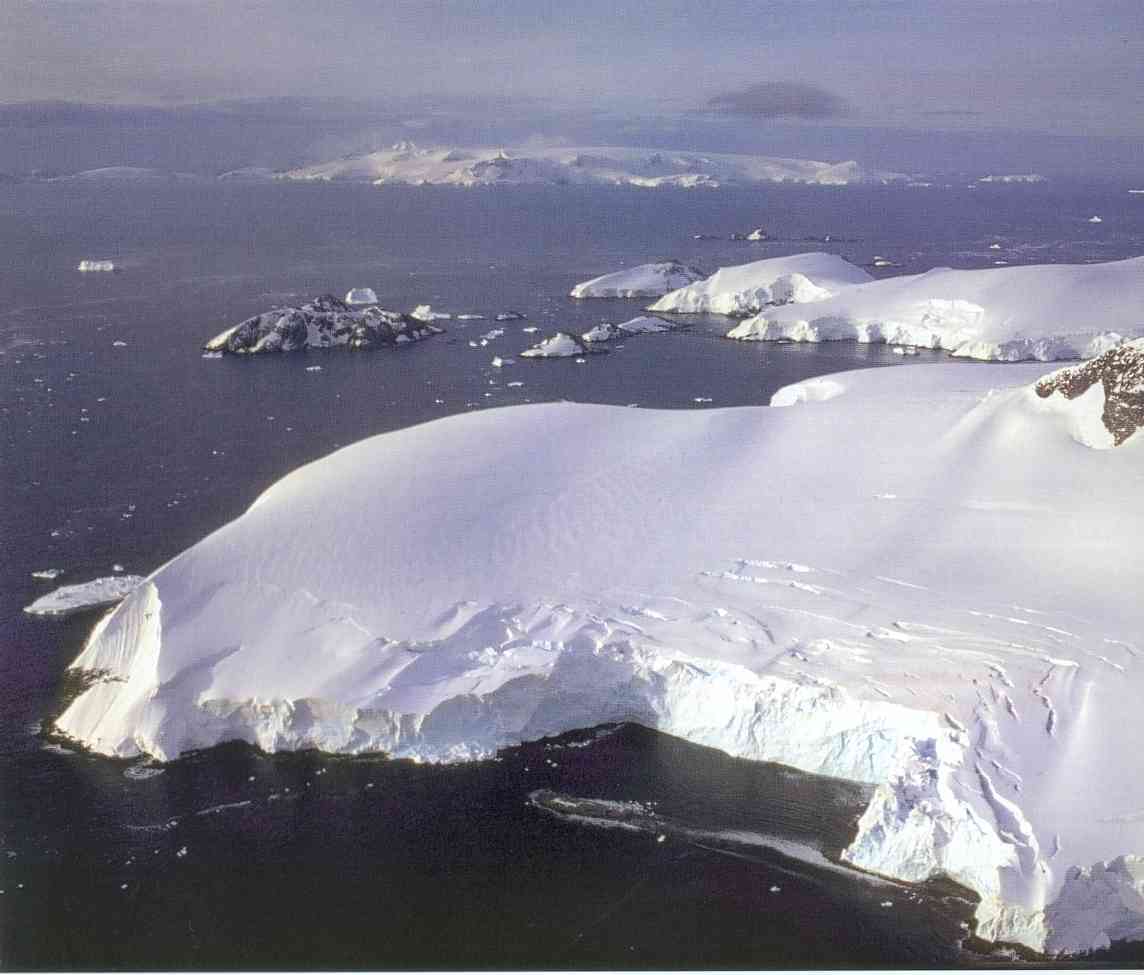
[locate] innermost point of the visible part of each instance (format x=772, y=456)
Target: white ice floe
x=1095, y=219
x=425, y=313
x=48, y=574
x=87, y=265
x=1043, y=312
x=361, y=296
x=593, y=165
x=747, y=289
x=607, y=332
x=642, y=281
x=970, y=648
x=562, y=345
x=84, y=595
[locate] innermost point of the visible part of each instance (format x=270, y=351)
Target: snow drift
x=950, y=614
x=746, y=289
x=1043, y=312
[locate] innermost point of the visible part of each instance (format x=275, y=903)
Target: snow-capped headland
x=948, y=611
x=1042, y=312
x=642, y=281
x=746, y=289
x=584, y=166
x=322, y=323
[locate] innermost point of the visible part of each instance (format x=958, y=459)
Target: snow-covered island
x=562, y=345
x=947, y=610
x=322, y=323
x=1043, y=312
x=746, y=289
x=642, y=281
x=408, y=163
x=640, y=325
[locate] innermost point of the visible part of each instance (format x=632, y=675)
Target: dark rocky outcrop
x=324, y=322
x=1121, y=372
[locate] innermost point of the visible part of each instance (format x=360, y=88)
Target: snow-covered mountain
x=322, y=323
x=946, y=608
x=606, y=165
x=1043, y=312
x=746, y=289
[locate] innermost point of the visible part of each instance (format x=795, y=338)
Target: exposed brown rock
x=1121, y=372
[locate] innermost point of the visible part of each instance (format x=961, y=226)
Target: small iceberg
x=558, y=346
x=425, y=313
x=510, y=316
x=361, y=296
x=607, y=332
x=96, y=266
x=48, y=574
x=757, y=234
x=1095, y=219
x=66, y=600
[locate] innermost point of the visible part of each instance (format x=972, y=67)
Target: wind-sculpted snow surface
x=322, y=323
x=594, y=165
x=642, y=281
x=947, y=611
x=1042, y=312
x=746, y=289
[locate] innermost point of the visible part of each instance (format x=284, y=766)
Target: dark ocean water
x=124, y=454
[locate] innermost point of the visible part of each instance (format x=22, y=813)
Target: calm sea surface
x=121, y=445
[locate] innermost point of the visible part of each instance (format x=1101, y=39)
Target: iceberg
x=643, y=281
x=361, y=296
x=1041, y=312
x=746, y=289
x=607, y=332
x=562, y=345
x=87, y=265
x=322, y=323
x=425, y=313
x=957, y=626
x=82, y=596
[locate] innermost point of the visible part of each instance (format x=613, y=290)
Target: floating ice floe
x=510, y=316
x=1095, y=219
x=361, y=296
x=86, y=265
x=562, y=345
x=425, y=313
x=747, y=289
x=322, y=323
x=105, y=591
x=48, y=574
x=1043, y=312
x=607, y=332
x=642, y=281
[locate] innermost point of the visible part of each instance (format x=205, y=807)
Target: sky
x=1064, y=67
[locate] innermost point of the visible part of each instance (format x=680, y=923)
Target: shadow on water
x=231, y=858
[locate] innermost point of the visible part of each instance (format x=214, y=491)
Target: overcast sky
x=1074, y=66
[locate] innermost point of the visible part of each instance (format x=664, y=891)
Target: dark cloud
x=781, y=99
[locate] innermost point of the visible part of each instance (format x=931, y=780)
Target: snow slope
x=1043, y=312
x=642, y=281
x=600, y=165
x=746, y=289
x=948, y=609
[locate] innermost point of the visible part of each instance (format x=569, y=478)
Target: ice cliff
x=948, y=610
x=1042, y=312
